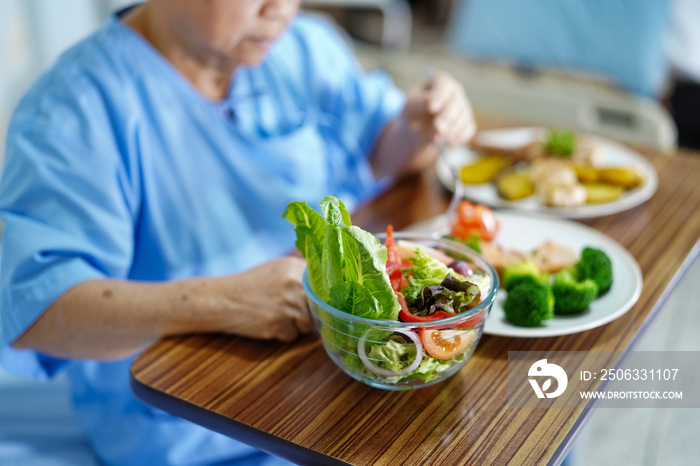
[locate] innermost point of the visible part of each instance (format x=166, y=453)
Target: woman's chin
x=251, y=59
x=255, y=52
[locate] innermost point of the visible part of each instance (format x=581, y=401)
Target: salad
x=392, y=314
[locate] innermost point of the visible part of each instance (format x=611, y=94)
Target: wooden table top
x=292, y=401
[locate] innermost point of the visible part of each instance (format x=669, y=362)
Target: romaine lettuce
x=310, y=228
x=346, y=265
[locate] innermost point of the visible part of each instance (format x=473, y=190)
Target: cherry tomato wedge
x=446, y=344
x=474, y=219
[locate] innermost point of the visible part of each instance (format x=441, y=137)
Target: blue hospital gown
x=117, y=167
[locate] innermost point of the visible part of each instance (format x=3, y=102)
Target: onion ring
x=386, y=372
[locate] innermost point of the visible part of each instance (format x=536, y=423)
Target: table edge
x=221, y=424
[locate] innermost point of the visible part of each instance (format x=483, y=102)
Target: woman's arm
x=113, y=319
x=409, y=142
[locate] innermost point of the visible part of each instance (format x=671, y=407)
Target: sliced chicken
x=553, y=257
x=550, y=256
x=499, y=257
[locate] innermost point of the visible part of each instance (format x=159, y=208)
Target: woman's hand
x=434, y=112
x=267, y=301
x=440, y=111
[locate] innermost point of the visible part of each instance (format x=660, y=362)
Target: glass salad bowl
x=397, y=355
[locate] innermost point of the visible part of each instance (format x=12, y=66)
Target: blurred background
x=620, y=68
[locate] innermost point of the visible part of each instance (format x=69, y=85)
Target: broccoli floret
x=572, y=295
x=597, y=266
x=560, y=143
x=525, y=271
x=529, y=304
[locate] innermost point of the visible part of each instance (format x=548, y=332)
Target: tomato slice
x=446, y=344
x=475, y=219
x=488, y=226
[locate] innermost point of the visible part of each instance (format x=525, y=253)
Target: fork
x=458, y=186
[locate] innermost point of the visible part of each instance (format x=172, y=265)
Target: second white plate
x=486, y=193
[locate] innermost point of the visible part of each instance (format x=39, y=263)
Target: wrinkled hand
x=267, y=301
x=439, y=112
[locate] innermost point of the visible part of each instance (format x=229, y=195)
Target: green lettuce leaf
x=427, y=271
x=431, y=368
x=365, y=264
x=560, y=143
x=310, y=229
x=355, y=299
x=392, y=355
x=337, y=218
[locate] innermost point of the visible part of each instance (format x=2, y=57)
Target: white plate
x=527, y=231
x=486, y=193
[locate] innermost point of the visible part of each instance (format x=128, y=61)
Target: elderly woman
x=144, y=180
